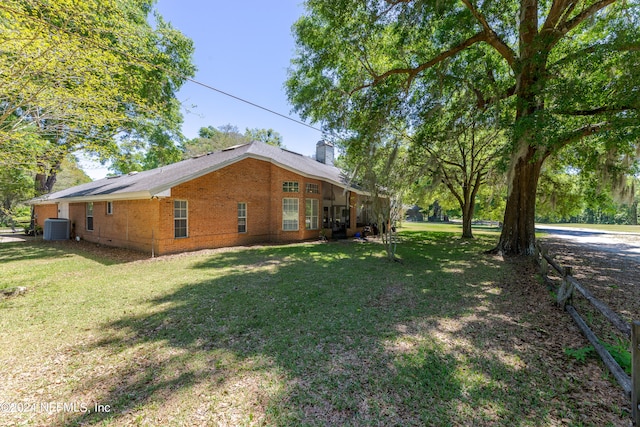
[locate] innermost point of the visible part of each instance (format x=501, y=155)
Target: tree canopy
x=564, y=71
x=212, y=139
x=90, y=76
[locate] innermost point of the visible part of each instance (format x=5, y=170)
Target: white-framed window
x=90, y=216
x=313, y=188
x=290, y=214
x=180, y=220
x=109, y=208
x=242, y=217
x=290, y=187
x=311, y=214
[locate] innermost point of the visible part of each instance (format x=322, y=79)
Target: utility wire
x=158, y=67
x=249, y=102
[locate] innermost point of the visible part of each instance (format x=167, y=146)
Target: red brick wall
x=212, y=205
x=132, y=224
x=43, y=212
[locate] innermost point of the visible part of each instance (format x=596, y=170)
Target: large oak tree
x=568, y=69
x=86, y=76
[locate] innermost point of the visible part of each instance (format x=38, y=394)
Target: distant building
x=414, y=213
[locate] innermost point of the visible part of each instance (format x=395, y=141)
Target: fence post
x=635, y=371
x=544, y=264
x=544, y=267
x=565, y=292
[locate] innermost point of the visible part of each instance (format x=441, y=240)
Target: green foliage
x=463, y=147
x=619, y=351
x=491, y=200
x=212, y=139
x=580, y=354
x=70, y=174
x=85, y=72
x=582, y=186
x=560, y=195
x=16, y=185
x=268, y=136
x=561, y=75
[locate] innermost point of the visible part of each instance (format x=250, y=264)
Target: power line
x=250, y=103
x=159, y=67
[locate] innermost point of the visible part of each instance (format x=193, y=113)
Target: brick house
x=251, y=193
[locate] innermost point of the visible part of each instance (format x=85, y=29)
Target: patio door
x=340, y=221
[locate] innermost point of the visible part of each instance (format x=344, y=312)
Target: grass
x=451, y=227
x=305, y=334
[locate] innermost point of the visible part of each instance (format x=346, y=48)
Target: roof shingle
x=156, y=182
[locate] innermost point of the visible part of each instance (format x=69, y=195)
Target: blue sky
x=242, y=48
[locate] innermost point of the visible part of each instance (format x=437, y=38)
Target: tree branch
x=492, y=37
x=392, y=4
x=482, y=102
x=487, y=35
x=449, y=184
x=596, y=111
x=566, y=26
x=413, y=72
x=584, y=131
x=604, y=47
x=556, y=13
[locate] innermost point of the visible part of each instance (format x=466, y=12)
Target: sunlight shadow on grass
x=313, y=321
x=307, y=334
x=313, y=334
x=16, y=252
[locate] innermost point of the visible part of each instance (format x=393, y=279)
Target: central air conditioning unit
x=56, y=229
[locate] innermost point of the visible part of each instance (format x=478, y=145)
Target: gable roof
x=158, y=182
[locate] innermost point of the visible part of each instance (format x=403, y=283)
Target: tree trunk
x=467, y=218
x=518, y=231
x=45, y=181
x=46, y=178
x=467, y=233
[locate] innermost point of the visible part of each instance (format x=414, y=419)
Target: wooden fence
x=565, y=292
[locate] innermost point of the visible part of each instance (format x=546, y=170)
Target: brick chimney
x=324, y=152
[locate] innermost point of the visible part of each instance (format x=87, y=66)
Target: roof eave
x=137, y=195
x=310, y=176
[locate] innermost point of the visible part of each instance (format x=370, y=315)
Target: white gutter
x=138, y=195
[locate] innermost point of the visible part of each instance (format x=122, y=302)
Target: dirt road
x=624, y=245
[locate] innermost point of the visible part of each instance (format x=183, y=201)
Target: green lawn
x=305, y=334
x=450, y=227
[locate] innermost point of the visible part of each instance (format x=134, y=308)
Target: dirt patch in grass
x=545, y=332
x=612, y=278
x=118, y=255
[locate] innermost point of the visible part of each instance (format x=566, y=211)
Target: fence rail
x=630, y=385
